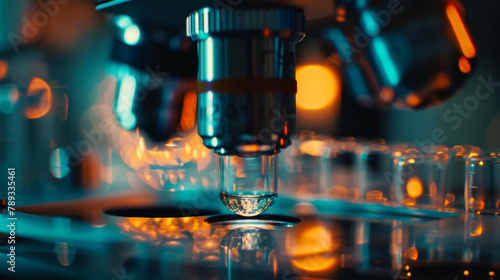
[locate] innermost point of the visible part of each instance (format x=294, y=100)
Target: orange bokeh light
x=40, y=89
x=312, y=147
x=464, y=65
x=412, y=100
x=460, y=31
x=4, y=68
x=414, y=187
x=411, y=253
x=188, y=116
x=313, y=248
x=318, y=87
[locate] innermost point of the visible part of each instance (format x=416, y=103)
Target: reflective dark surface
x=136, y=244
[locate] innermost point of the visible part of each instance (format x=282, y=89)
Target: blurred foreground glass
x=248, y=253
x=421, y=178
x=454, y=191
x=373, y=161
x=248, y=185
x=306, y=164
x=482, y=184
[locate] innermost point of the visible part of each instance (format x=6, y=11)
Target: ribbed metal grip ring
x=208, y=21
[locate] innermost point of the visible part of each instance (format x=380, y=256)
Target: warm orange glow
x=475, y=151
x=250, y=148
x=312, y=249
x=412, y=100
x=407, y=267
x=387, y=94
x=188, y=116
x=449, y=199
x=459, y=150
x=312, y=147
x=491, y=273
x=411, y=253
x=466, y=272
x=267, y=32
x=341, y=14
x=40, y=89
x=481, y=163
x=316, y=263
x=411, y=161
x=460, y=31
x=91, y=170
x=441, y=80
x=414, y=187
x=478, y=231
x=477, y=204
x=433, y=189
x=375, y=196
x=341, y=11
x=159, y=230
x=340, y=18
x=338, y=191
x=464, y=65
x=4, y=69
x=318, y=86
x=177, y=152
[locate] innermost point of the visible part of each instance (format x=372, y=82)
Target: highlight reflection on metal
x=246, y=77
x=413, y=54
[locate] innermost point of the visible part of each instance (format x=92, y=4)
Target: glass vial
x=248, y=185
x=482, y=184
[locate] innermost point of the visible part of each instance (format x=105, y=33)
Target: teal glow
x=125, y=101
x=341, y=44
x=59, y=163
x=361, y=4
x=385, y=62
x=372, y=27
x=123, y=21
x=108, y=4
x=174, y=42
x=8, y=98
x=210, y=117
x=132, y=35
x=128, y=121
